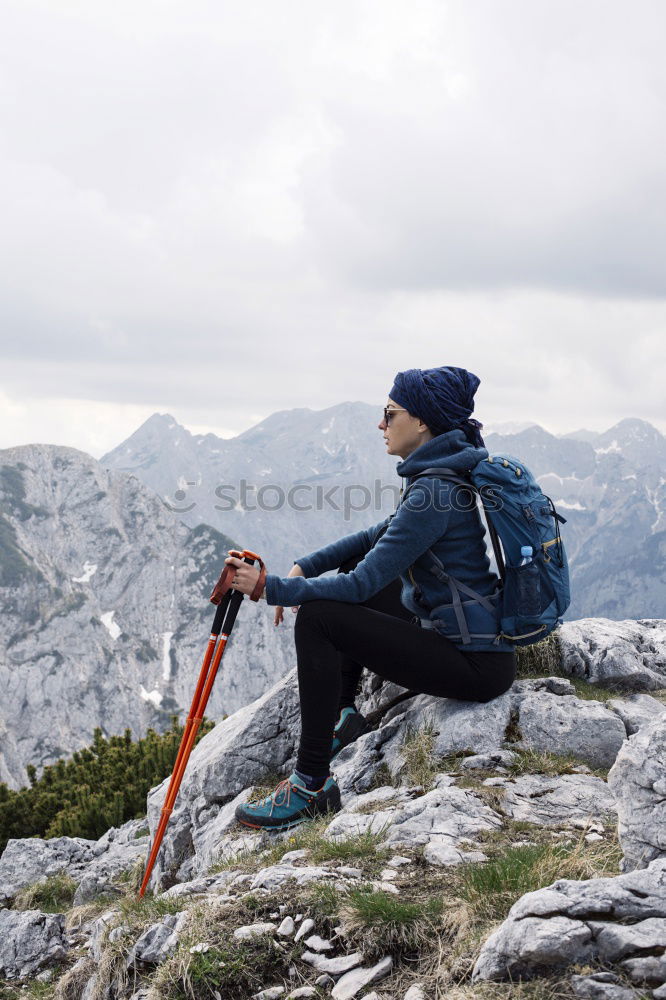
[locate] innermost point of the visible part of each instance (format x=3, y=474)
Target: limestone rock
x=316, y=943
x=568, y=725
x=628, y=655
x=30, y=941
x=31, y=860
x=333, y=966
x=607, y=919
x=253, y=930
x=602, y=986
x=287, y=927
x=158, y=941
x=350, y=984
x=638, y=780
x=305, y=928
x=636, y=710
x=551, y=801
x=443, y=815
x=648, y=969
x=415, y=992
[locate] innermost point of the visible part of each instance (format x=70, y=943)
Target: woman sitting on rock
x=369, y=615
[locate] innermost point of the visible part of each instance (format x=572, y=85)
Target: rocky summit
x=508, y=849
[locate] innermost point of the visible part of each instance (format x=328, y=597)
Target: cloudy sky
x=219, y=209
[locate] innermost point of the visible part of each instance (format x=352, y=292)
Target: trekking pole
x=228, y=603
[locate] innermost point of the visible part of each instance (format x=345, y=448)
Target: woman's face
x=403, y=433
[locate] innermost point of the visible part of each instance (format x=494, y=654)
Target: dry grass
x=542, y=762
x=542, y=659
x=52, y=895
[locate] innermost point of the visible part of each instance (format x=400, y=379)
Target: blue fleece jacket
x=429, y=518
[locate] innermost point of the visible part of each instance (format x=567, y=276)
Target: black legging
x=335, y=640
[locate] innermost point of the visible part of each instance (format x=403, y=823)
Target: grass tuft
x=491, y=888
x=53, y=895
x=380, y=923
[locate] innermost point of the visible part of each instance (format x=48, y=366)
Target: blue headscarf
x=442, y=397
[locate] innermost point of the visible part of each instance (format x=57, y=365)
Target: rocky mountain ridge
x=104, y=595
x=610, y=486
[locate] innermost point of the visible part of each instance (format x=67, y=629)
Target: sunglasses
x=388, y=413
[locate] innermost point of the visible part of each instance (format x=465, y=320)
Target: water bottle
x=529, y=585
x=526, y=553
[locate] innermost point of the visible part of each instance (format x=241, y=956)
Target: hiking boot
x=290, y=804
x=351, y=725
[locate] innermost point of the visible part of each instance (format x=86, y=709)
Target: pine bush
x=100, y=786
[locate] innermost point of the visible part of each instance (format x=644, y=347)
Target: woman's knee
x=314, y=611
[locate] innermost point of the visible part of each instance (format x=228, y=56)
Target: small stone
x=199, y=949
x=272, y=993
x=317, y=943
x=659, y=993
x=298, y=918
x=294, y=856
x=253, y=930
x=287, y=927
x=386, y=887
x=398, y=860
x=350, y=984
x=415, y=992
x=334, y=966
x=350, y=872
x=593, y=838
x=388, y=874
x=305, y=991
x=274, y=916
x=305, y=928
x=324, y=981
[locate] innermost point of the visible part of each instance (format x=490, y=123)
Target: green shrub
x=101, y=786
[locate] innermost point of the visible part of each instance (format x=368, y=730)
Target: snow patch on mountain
x=113, y=628
x=166, y=655
x=152, y=696
x=89, y=570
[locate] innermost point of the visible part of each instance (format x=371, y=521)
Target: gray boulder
x=628, y=655
x=638, y=779
x=30, y=941
x=31, y=860
x=598, y=920
x=554, y=800
x=601, y=986
x=568, y=725
x=158, y=941
x=91, y=863
x=636, y=710
x=441, y=818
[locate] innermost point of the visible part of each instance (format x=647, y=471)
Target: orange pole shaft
x=187, y=743
x=185, y=740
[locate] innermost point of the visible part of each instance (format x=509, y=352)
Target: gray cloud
x=223, y=211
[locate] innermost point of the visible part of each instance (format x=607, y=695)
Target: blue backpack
x=532, y=598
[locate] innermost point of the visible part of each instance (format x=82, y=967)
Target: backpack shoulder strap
x=460, y=480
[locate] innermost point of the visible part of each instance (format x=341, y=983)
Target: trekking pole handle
x=224, y=583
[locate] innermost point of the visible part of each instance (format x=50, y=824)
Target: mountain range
x=610, y=486
x=106, y=567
